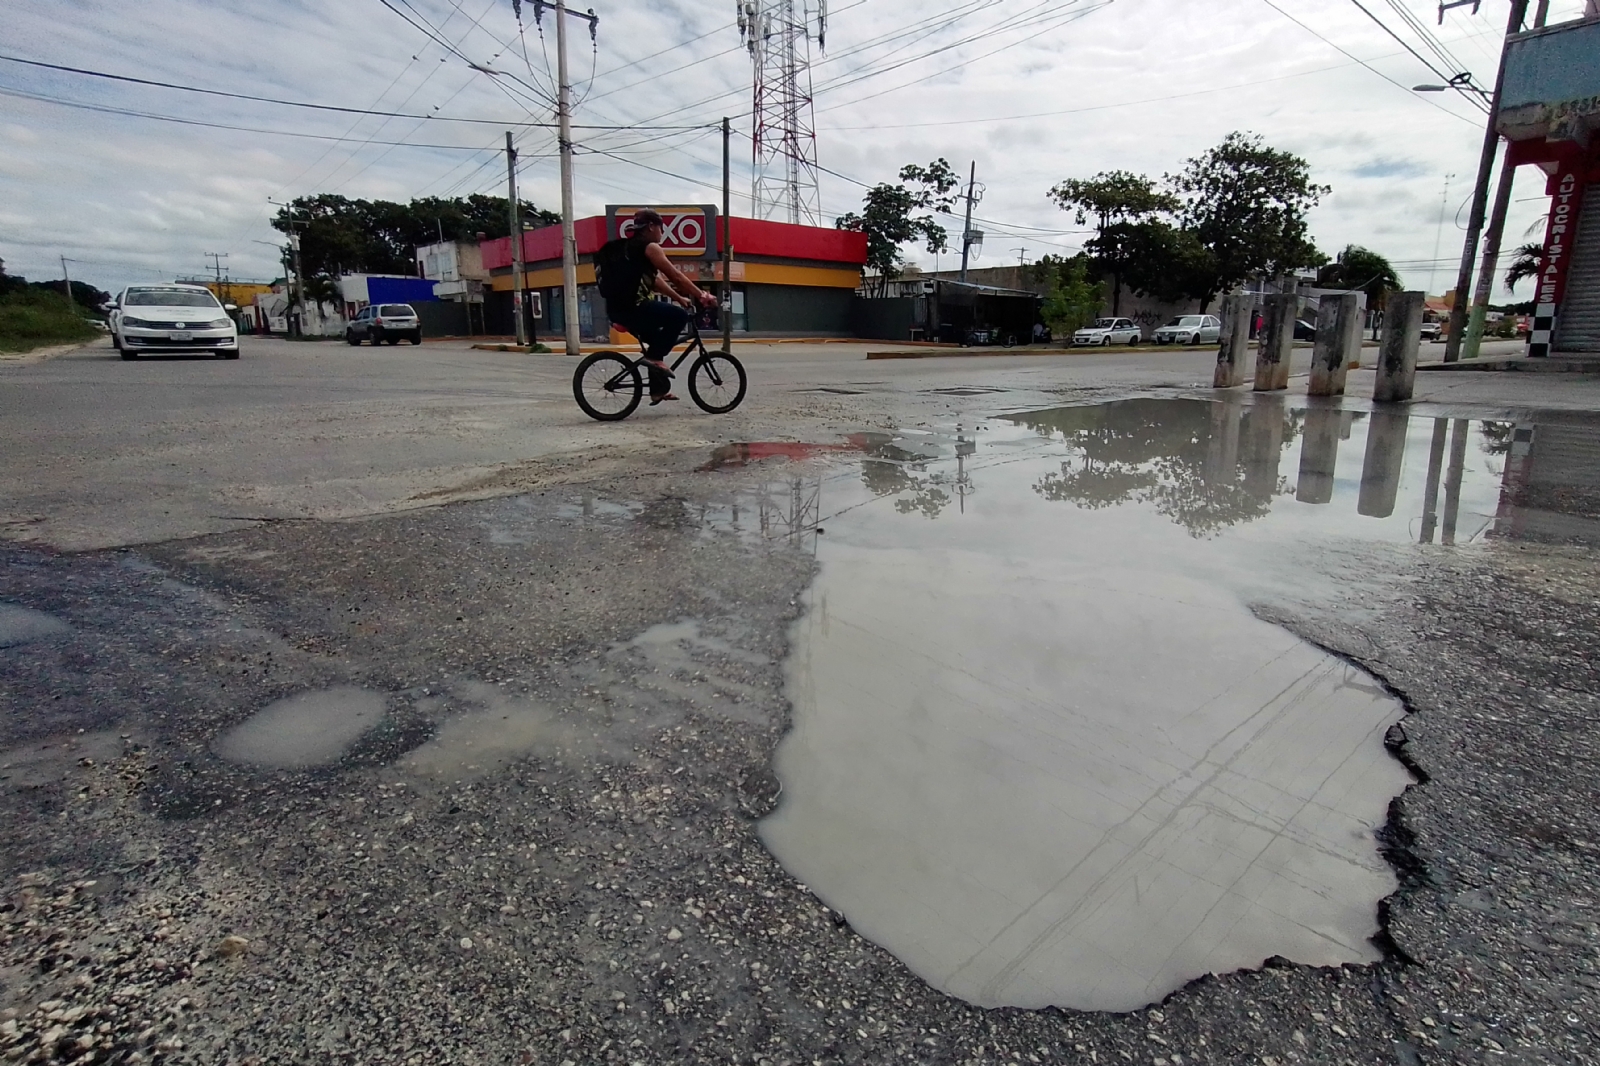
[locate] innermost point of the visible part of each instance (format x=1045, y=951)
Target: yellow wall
x=758, y=273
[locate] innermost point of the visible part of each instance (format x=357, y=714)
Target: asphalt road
x=218, y=575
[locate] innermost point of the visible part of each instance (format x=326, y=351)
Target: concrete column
x=1430, y=491
x=1237, y=309
x=1452, y=480
x=1319, y=451
x=1338, y=343
x=1277, y=336
x=1397, y=356
x=1263, y=448
x=1380, y=470
x=1222, y=452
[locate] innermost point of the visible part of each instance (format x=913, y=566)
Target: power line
x=1343, y=51
x=1477, y=100
x=316, y=107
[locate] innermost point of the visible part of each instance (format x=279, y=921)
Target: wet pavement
x=1157, y=730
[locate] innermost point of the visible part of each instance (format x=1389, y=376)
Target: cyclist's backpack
x=619, y=275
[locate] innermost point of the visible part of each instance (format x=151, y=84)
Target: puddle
x=41, y=762
x=23, y=625
x=303, y=731
x=1043, y=751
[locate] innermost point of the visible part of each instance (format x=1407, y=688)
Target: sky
x=1032, y=91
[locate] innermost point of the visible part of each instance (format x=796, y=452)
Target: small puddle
x=303, y=731
x=24, y=625
x=1042, y=749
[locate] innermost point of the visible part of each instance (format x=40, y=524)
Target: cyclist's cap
x=646, y=217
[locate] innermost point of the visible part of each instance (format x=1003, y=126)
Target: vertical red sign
x=1566, y=201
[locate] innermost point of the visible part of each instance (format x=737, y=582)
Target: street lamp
x=1461, y=82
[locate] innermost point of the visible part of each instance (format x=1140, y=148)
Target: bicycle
x=609, y=385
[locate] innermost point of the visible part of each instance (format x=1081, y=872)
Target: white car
x=1108, y=331
x=1190, y=329
x=172, y=318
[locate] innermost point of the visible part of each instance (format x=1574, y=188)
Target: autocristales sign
x=1566, y=200
x=688, y=232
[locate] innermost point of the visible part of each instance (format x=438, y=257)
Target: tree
x=339, y=235
x=1071, y=300
x=1167, y=262
x=1525, y=263
x=1247, y=204
x=1114, y=200
x=889, y=217
x=1361, y=268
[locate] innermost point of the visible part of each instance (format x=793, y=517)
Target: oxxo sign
x=687, y=232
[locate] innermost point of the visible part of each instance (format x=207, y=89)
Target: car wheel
x=391, y=340
x=233, y=354
x=129, y=356
x=416, y=338
x=350, y=338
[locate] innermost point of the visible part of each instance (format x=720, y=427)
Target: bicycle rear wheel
x=716, y=382
x=607, y=386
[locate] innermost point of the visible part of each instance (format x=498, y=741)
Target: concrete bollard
x=1277, y=337
x=1338, y=343
x=1380, y=469
x=1237, y=309
x=1319, y=451
x=1262, y=449
x=1397, y=356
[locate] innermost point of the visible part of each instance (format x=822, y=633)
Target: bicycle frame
x=696, y=342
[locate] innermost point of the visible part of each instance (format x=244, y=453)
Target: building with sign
x=1550, y=112
x=787, y=279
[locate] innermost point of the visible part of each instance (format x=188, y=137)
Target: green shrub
x=32, y=318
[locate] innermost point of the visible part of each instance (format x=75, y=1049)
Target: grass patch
x=33, y=319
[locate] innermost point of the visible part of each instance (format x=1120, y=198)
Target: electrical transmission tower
x=778, y=34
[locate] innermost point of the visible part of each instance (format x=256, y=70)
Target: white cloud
x=1137, y=84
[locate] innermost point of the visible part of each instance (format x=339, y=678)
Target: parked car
x=384, y=324
x=172, y=318
x=1190, y=329
x=1107, y=331
x=1304, y=331
x=1432, y=331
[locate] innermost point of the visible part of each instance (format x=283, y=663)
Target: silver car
x=172, y=318
x=1190, y=329
x=1106, y=331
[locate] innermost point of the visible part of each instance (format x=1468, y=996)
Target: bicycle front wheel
x=607, y=386
x=716, y=382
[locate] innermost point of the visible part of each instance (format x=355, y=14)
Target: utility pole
x=297, y=290
x=569, y=238
x=517, y=276
x=1480, y=196
x=727, y=245
x=1491, y=257
x=1022, y=258
x=216, y=259
x=966, y=228
x=68, y=279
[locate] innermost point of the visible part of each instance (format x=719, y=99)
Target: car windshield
x=1104, y=323
x=397, y=311
x=1187, y=320
x=170, y=298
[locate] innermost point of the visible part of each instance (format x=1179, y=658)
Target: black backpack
x=618, y=274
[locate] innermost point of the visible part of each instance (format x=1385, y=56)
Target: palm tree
x=1525, y=263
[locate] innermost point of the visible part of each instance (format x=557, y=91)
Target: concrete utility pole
x=727, y=245
x=569, y=238
x=68, y=279
x=216, y=259
x=1480, y=196
x=515, y=221
x=1491, y=257
x=966, y=228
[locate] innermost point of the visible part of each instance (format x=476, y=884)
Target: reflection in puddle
x=1047, y=754
x=307, y=730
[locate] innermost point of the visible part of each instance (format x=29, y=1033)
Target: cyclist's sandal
x=664, y=396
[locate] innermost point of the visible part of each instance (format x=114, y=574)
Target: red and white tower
x=778, y=34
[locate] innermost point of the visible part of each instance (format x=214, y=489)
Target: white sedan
x=1108, y=331
x=1190, y=329
x=172, y=318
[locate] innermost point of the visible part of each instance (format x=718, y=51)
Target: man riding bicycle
x=631, y=270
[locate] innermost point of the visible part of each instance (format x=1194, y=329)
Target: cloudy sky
x=1033, y=90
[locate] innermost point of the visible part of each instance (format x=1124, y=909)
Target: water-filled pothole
x=306, y=730
x=1042, y=748
x=23, y=625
